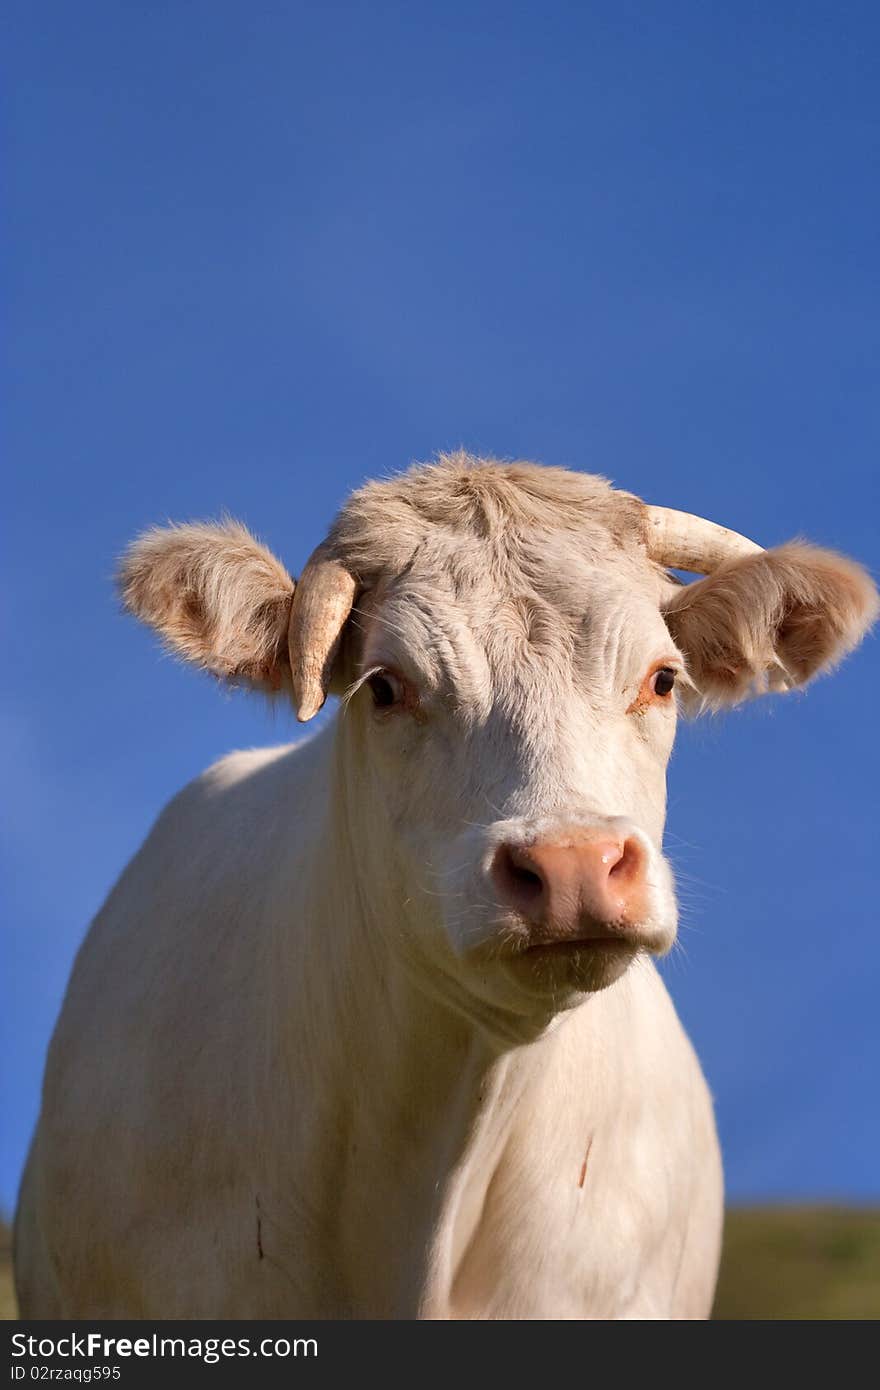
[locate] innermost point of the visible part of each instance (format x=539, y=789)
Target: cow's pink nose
x=584, y=888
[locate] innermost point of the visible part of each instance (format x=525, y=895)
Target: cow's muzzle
x=582, y=888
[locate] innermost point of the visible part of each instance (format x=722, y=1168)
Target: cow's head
x=511, y=654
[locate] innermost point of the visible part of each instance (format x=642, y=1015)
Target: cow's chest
x=574, y=1226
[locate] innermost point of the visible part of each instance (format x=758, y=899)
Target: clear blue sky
x=263, y=251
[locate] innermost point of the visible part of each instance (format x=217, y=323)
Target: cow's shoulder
x=179, y=937
x=224, y=823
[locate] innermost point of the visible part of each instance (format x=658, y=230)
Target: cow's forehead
x=501, y=580
x=526, y=589
x=503, y=627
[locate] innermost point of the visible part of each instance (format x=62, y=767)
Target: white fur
x=247, y=1062
x=304, y=1067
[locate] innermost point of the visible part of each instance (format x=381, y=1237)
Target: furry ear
x=770, y=621
x=216, y=596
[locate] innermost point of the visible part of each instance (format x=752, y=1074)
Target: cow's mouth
x=582, y=964
x=578, y=945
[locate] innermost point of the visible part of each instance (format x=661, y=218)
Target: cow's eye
x=663, y=681
x=387, y=689
x=656, y=689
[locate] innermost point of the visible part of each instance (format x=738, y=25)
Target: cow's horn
x=685, y=542
x=322, y=601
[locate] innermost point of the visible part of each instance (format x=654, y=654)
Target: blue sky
x=263, y=251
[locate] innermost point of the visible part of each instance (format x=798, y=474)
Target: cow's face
x=514, y=735
x=511, y=654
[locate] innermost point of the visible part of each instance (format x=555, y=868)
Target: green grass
x=800, y=1262
x=7, y=1297
x=779, y=1262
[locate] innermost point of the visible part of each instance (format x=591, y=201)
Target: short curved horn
x=322, y=601
x=685, y=542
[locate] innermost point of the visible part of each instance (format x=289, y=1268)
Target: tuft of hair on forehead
x=501, y=504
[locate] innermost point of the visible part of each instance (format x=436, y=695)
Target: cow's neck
x=416, y=1084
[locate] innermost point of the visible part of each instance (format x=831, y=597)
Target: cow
x=370, y=1027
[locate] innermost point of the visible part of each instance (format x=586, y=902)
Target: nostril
x=517, y=879
x=629, y=863
x=527, y=882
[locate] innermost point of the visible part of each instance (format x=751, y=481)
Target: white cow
x=370, y=1027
